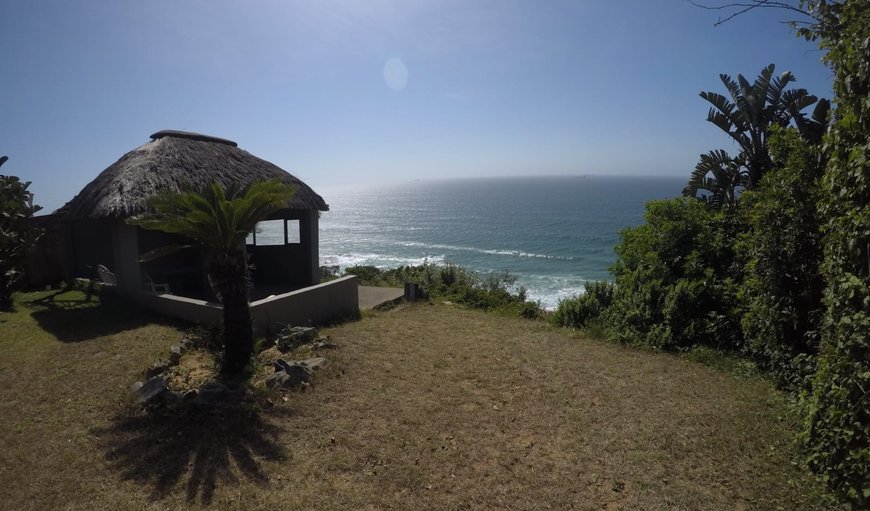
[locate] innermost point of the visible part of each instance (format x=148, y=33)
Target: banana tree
x=218, y=221
x=814, y=127
x=754, y=107
x=722, y=176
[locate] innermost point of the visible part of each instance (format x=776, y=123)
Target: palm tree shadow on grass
x=76, y=317
x=207, y=447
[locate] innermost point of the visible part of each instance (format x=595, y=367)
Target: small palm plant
x=218, y=221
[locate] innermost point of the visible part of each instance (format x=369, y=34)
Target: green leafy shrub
x=838, y=426
x=584, y=310
x=16, y=234
x=783, y=249
x=328, y=273
x=366, y=275
x=437, y=280
x=674, y=279
x=530, y=310
x=494, y=291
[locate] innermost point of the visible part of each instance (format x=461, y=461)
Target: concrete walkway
x=371, y=297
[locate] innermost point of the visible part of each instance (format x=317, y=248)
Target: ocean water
x=552, y=233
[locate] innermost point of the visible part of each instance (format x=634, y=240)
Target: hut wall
x=92, y=245
x=294, y=264
x=313, y=227
x=125, y=247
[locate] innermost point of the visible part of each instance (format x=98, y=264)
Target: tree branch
x=744, y=7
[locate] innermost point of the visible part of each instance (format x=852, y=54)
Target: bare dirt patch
x=195, y=368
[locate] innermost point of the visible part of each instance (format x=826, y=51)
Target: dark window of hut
x=275, y=232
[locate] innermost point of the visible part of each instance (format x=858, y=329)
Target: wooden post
x=412, y=292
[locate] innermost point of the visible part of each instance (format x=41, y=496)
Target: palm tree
x=754, y=108
x=720, y=175
x=218, y=221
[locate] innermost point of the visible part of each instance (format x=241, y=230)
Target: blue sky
x=346, y=92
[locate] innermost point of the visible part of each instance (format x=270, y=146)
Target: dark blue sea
x=552, y=233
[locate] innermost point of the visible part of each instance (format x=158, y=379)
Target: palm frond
x=213, y=217
x=718, y=174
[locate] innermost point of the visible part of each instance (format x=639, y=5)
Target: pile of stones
x=154, y=390
x=295, y=373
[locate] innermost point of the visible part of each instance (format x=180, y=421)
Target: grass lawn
x=423, y=407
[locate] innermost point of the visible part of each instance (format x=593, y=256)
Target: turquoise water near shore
x=552, y=233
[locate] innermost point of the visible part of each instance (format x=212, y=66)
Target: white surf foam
x=459, y=248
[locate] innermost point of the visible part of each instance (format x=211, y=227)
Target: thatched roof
x=171, y=161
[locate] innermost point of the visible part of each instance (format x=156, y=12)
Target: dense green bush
x=436, y=280
x=800, y=275
x=494, y=291
x=838, y=429
x=17, y=236
x=586, y=309
x=368, y=275
x=783, y=248
x=674, y=279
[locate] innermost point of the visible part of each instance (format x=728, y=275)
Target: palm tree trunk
x=231, y=282
x=238, y=333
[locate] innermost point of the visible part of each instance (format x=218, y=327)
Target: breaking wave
x=458, y=248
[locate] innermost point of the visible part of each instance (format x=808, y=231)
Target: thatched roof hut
x=98, y=234
x=171, y=161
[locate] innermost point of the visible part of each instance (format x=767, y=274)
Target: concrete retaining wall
x=334, y=300
x=180, y=307
x=315, y=305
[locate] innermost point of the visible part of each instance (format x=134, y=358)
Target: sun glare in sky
x=395, y=74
